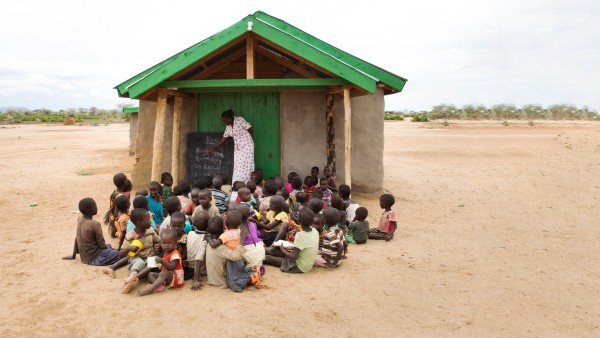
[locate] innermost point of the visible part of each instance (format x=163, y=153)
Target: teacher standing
x=243, y=154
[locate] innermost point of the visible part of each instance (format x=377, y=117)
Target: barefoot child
x=120, y=182
x=255, y=249
x=277, y=220
x=166, y=181
x=173, y=205
x=237, y=275
x=171, y=274
x=304, y=252
x=331, y=184
x=296, y=188
x=140, y=201
x=231, y=235
x=196, y=247
x=387, y=223
x=333, y=247
x=148, y=238
x=221, y=198
x=326, y=192
x=204, y=200
x=122, y=206
x=89, y=241
x=245, y=196
x=195, y=201
x=359, y=228
x=155, y=202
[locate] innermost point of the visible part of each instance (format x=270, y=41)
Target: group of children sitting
x=226, y=232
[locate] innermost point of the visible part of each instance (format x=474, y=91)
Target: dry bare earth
x=498, y=236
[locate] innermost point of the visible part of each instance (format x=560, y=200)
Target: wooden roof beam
x=287, y=64
x=219, y=65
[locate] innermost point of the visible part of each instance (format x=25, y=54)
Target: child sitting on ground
x=310, y=186
x=189, y=210
x=148, y=238
x=237, y=275
x=326, y=192
x=254, y=201
x=285, y=194
x=231, y=235
x=226, y=187
x=315, y=204
x=269, y=190
x=173, y=205
x=177, y=223
x=288, y=184
x=296, y=205
x=257, y=177
x=245, y=196
x=350, y=205
x=155, y=202
x=387, y=223
x=140, y=201
x=122, y=206
x=333, y=247
x=255, y=250
x=296, y=188
x=89, y=241
x=277, y=220
x=221, y=198
x=328, y=172
x=237, y=185
x=304, y=252
x=196, y=247
x=314, y=172
x=359, y=228
x=171, y=274
x=110, y=218
x=166, y=180
x=337, y=203
x=204, y=200
x=185, y=194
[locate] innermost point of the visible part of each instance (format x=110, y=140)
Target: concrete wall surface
x=133, y=128
x=144, y=142
x=303, y=133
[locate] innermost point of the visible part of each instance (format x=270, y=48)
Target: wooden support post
x=177, y=108
x=159, y=135
x=329, y=114
x=250, y=57
x=347, y=138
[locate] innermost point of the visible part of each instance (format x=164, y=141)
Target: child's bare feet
x=108, y=271
x=145, y=291
x=131, y=277
x=129, y=285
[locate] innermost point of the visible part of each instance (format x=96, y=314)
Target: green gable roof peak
x=339, y=63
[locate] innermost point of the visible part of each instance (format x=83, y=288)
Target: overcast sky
x=60, y=54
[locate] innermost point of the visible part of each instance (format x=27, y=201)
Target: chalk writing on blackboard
x=201, y=164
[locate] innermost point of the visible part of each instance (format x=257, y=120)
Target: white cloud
x=68, y=53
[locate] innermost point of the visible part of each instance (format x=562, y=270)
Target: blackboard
x=199, y=164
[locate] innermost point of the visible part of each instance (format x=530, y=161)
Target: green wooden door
x=260, y=109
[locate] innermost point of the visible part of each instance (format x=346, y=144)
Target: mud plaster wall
x=303, y=134
x=144, y=142
x=133, y=128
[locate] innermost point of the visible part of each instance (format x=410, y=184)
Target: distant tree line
x=51, y=116
x=501, y=112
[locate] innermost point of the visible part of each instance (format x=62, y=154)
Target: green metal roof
x=345, y=66
x=129, y=110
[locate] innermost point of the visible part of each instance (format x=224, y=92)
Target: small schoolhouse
x=309, y=102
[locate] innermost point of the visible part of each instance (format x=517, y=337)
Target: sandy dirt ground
x=498, y=236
